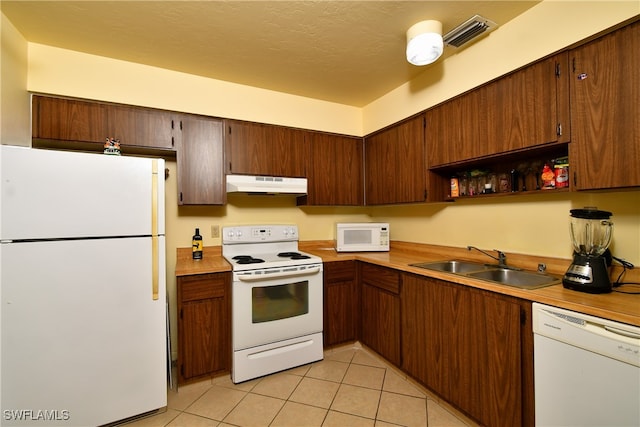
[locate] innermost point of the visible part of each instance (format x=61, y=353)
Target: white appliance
x=587, y=370
x=362, y=237
x=276, y=302
x=83, y=288
x=266, y=185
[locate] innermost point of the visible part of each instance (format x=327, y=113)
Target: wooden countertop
x=211, y=262
x=615, y=306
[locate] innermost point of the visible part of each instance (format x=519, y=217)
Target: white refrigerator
x=83, y=287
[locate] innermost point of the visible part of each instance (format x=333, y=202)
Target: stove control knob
x=230, y=234
x=239, y=234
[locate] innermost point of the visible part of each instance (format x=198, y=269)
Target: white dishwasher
x=587, y=370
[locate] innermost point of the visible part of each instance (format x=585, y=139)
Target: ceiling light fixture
x=424, y=42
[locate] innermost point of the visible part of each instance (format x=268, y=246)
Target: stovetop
x=255, y=260
x=263, y=246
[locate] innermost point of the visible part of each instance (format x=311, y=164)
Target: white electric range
x=276, y=300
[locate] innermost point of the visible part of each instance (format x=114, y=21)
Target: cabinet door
x=524, y=109
x=381, y=310
x=381, y=322
x=77, y=121
x=259, y=149
x=141, y=127
x=340, y=302
x=455, y=130
x=528, y=108
x=465, y=345
x=201, y=161
x=204, y=327
x=494, y=341
x=69, y=120
x=605, y=111
x=334, y=170
x=395, y=170
x=201, y=338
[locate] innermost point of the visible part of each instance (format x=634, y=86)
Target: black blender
x=591, y=233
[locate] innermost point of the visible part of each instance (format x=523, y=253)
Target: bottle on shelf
x=196, y=244
x=455, y=190
x=548, y=177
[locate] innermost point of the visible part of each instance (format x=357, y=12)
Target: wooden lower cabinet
x=340, y=303
x=381, y=311
x=470, y=347
x=204, y=325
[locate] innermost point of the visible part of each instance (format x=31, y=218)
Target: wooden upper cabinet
x=141, y=127
x=334, y=170
x=260, y=149
x=525, y=109
x=201, y=179
x=395, y=169
x=605, y=111
x=69, y=120
x=529, y=107
x=455, y=130
x=80, y=121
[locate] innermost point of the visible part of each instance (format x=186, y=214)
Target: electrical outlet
x=215, y=231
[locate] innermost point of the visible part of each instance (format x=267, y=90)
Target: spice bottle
x=455, y=191
x=196, y=244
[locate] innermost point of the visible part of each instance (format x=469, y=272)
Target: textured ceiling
x=350, y=52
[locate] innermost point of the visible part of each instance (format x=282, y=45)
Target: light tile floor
x=351, y=387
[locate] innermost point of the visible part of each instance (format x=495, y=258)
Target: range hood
x=266, y=185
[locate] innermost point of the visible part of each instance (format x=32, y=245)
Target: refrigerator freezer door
x=82, y=336
x=56, y=194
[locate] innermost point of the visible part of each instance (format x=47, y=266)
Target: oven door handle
x=257, y=278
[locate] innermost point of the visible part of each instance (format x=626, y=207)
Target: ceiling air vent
x=468, y=30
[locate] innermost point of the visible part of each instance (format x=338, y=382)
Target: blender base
x=588, y=274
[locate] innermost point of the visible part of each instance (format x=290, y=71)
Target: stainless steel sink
x=517, y=278
x=452, y=266
x=503, y=276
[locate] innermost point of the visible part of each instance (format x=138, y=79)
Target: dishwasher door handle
x=622, y=332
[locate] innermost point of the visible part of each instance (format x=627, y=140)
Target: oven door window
x=271, y=303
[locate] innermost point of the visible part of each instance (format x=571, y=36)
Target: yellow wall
x=14, y=99
x=535, y=224
x=60, y=71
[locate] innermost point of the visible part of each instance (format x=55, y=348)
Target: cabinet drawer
x=339, y=271
x=381, y=277
x=202, y=286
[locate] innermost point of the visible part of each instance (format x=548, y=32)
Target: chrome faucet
x=501, y=258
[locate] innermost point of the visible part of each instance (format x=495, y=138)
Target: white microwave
x=362, y=236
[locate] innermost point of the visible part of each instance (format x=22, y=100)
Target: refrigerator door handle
x=154, y=230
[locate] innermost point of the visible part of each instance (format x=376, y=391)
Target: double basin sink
x=495, y=274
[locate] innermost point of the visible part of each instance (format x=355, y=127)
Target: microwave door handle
x=257, y=278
